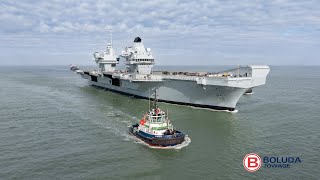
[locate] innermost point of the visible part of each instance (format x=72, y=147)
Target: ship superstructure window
x=138, y=60
x=156, y=119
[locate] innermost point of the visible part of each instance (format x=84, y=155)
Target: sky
x=179, y=32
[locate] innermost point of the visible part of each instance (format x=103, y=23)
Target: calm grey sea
x=53, y=125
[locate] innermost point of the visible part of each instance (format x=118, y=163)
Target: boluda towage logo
x=252, y=162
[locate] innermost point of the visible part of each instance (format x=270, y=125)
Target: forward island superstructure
x=220, y=91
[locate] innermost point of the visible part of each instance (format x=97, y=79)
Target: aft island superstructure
x=220, y=91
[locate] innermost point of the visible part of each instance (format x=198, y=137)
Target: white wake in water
x=123, y=118
x=214, y=110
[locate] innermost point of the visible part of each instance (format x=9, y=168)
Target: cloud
x=191, y=26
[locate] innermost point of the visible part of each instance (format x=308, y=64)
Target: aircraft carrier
x=219, y=91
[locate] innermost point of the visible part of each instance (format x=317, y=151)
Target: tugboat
x=156, y=129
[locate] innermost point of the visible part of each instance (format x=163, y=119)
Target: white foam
x=125, y=121
x=194, y=107
x=185, y=143
x=215, y=110
x=110, y=114
x=248, y=93
x=209, y=109
x=234, y=111
x=114, y=128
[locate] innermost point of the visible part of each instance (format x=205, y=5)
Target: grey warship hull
x=219, y=95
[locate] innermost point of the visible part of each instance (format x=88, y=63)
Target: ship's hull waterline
x=175, y=92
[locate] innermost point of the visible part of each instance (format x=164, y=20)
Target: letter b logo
x=252, y=162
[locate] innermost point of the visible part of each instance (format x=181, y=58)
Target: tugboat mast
x=149, y=101
x=110, y=30
x=155, y=99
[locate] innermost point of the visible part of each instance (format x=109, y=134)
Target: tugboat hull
x=163, y=140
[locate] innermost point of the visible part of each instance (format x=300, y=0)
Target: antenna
x=155, y=99
x=110, y=30
x=167, y=119
x=167, y=114
x=149, y=99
